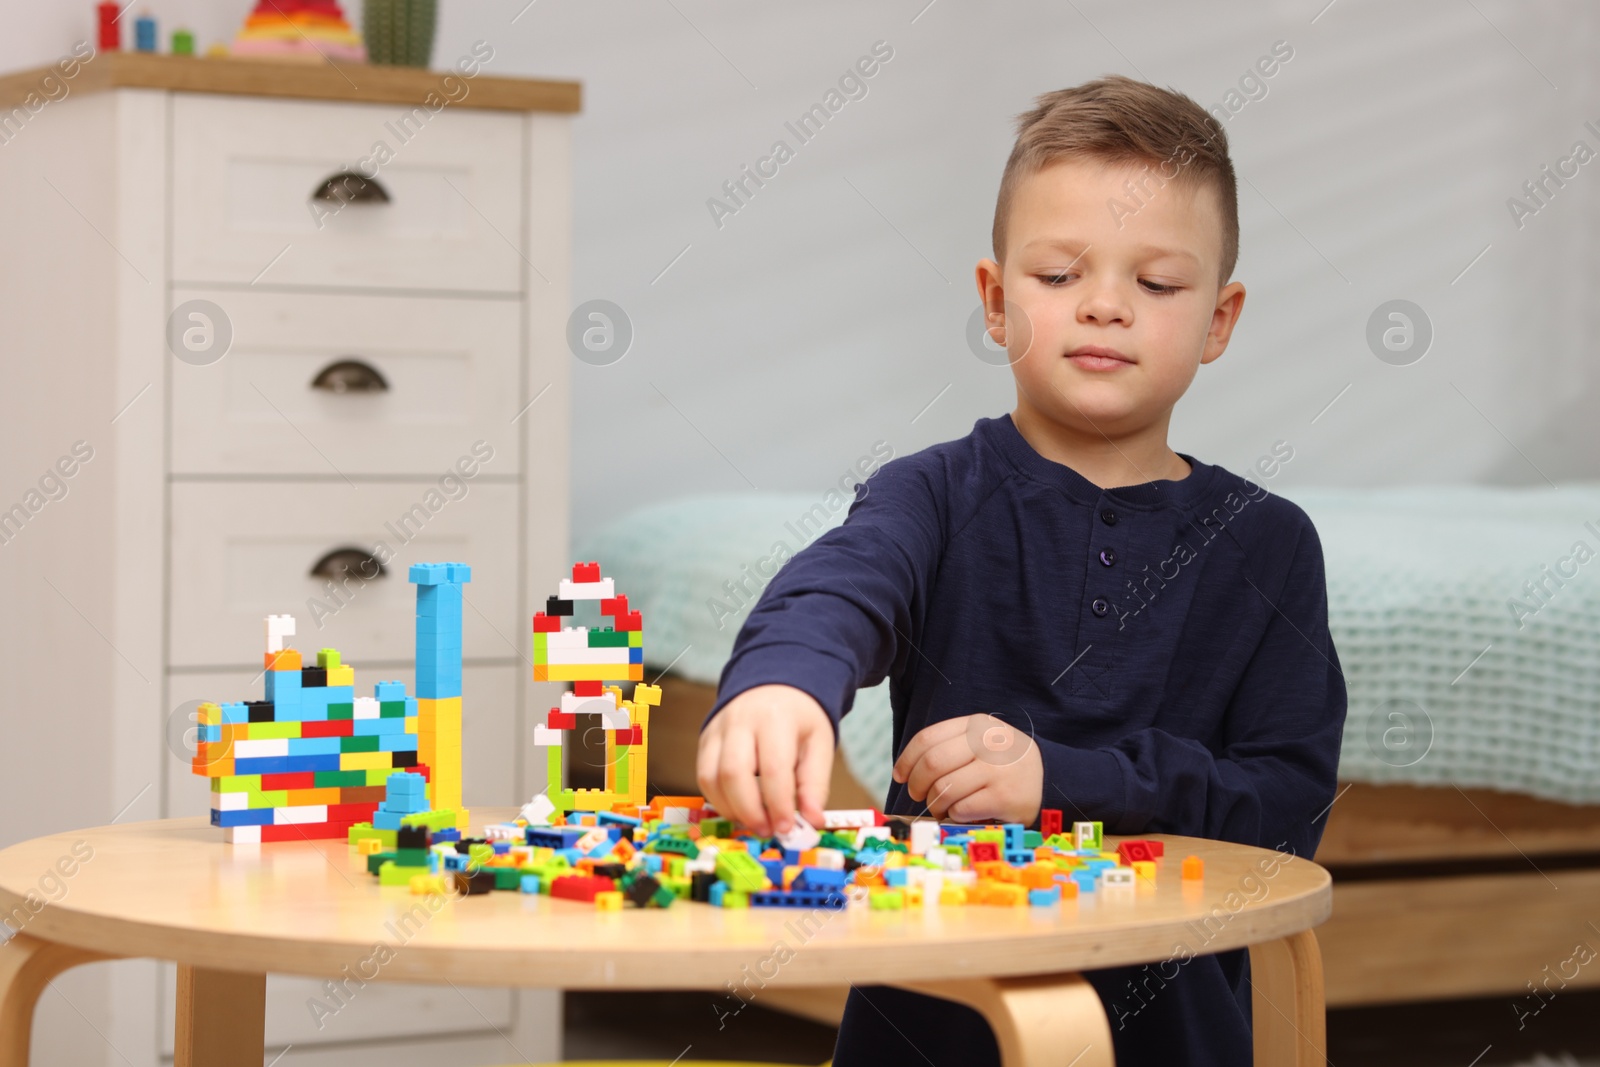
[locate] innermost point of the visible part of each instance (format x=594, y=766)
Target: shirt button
x=1108, y=556
x=1100, y=606
x=1108, y=517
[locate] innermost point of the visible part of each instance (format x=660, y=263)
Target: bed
x=1465, y=838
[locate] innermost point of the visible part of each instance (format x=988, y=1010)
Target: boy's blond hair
x=1117, y=120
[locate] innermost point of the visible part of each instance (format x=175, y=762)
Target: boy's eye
x=1154, y=288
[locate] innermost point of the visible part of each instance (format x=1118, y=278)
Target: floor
x=1473, y=1033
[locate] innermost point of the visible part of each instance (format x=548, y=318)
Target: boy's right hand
x=764, y=747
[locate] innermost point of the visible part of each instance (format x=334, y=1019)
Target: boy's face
x=1141, y=280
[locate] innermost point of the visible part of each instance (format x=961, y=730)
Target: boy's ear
x=991, y=291
x=992, y=294
x=1230, y=303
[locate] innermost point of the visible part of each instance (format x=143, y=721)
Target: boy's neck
x=1108, y=462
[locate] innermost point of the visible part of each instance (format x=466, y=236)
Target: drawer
x=245, y=174
x=489, y=729
x=242, y=551
x=326, y=384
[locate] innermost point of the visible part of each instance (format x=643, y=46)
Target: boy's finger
x=975, y=807
x=937, y=762
x=812, y=774
x=775, y=757
x=951, y=789
x=705, y=767
x=736, y=775
x=925, y=739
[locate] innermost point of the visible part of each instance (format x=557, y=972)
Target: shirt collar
x=1162, y=492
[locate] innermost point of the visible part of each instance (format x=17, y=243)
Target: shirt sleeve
x=841, y=614
x=1273, y=781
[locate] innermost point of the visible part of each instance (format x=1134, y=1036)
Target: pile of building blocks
x=313, y=760
x=311, y=30
x=677, y=848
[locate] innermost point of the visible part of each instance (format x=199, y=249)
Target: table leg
x=1038, y=1019
x=26, y=965
x=1288, y=1006
x=222, y=1018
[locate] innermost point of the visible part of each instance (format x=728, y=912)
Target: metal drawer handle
x=350, y=376
x=348, y=187
x=341, y=563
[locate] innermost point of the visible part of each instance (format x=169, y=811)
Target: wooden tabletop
x=349, y=82
x=173, y=890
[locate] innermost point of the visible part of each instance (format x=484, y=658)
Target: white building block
x=604, y=589
x=278, y=627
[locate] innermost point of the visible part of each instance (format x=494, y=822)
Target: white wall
x=830, y=310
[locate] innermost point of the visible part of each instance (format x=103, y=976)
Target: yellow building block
x=366, y=761
x=608, y=900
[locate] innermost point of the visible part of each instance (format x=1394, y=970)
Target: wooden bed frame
x=1439, y=893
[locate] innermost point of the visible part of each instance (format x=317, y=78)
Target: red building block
x=614, y=606
x=275, y=782
x=633, y=735
x=983, y=852
x=587, y=689
x=580, y=886
x=1050, y=821
x=586, y=572
x=331, y=728
x=546, y=624
x=630, y=621
x=560, y=720
x=1134, y=851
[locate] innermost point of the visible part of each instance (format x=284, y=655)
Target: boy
x=1071, y=614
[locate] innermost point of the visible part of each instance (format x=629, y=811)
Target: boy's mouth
x=1097, y=357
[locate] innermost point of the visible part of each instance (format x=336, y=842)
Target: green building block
x=391, y=873
x=741, y=871
x=392, y=709
x=887, y=900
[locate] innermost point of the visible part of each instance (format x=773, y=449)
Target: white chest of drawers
x=394, y=387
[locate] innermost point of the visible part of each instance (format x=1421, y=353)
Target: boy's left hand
x=972, y=768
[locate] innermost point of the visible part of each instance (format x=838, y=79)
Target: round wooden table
x=229, y=914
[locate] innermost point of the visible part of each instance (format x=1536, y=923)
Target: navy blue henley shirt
x=1166, y=645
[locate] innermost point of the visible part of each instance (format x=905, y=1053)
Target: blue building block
x=719, y=889
x=894, y=876
x=530, y=883
x=397, y=742
x=1014, y=836
x=820, y=878
x=386, y=820
x=235, y=714
x=1044, y=897
x=285, y=764
x=429, y=573
x=313, y=746
x=460, y=573
x=283, y=687
x=390, y=690
x=777, y=898
x=246, y=817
